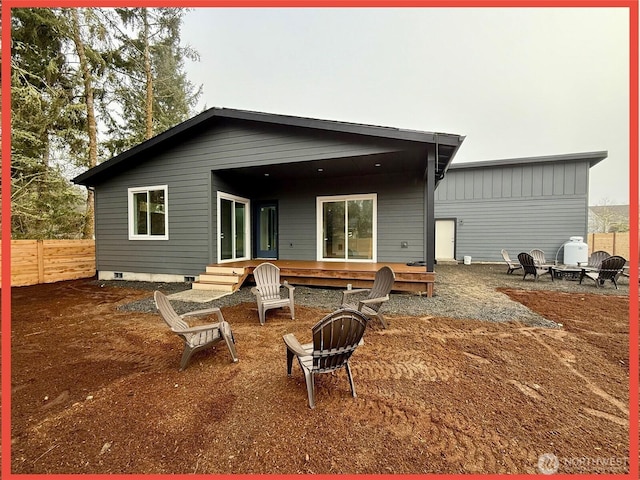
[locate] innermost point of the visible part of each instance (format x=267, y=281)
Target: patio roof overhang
x=357, y=166
x=408, y=141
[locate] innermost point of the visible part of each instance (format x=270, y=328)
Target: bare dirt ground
x=96, y=389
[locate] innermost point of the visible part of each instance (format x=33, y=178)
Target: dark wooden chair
x=530, y=267
x=511, y=265
x=610, y=269
x=335, y=338
x=267, y=290
x=198, y=337
x=596, y=258
x=375, y=296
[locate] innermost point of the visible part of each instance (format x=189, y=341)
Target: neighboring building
x=516, y=204
x=230, y=185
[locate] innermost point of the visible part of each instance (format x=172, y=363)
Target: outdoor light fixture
x=321, y=169
x=266, y=174
x=378, y=165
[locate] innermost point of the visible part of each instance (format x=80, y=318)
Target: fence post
x=40, y=260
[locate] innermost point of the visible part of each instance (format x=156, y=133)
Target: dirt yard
x=97, y=390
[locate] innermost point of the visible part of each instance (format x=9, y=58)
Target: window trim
x=148, y=236
x=374, y=226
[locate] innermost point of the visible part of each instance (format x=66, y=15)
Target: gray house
x=516, y=204
x=231, y=186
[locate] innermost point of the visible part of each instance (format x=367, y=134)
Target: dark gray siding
x=187, y=170
x=515, y=207
x=400, y=215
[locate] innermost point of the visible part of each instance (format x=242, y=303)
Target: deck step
x=213, y=286
x=224, y=279
x=220, y=270
x=221, y=278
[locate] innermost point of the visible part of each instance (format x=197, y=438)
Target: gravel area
x=462, y=291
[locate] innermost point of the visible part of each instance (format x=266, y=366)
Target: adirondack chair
x=376, y=295
x=511, y=266
x=538, y=257
x=267, y=290
x=335, y=338
x=198, y=337
x=530, y=267
x=596, y=258
x=610, y=269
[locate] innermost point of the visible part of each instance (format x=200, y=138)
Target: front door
x=266, y=230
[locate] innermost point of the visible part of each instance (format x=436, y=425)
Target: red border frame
x=5, y=297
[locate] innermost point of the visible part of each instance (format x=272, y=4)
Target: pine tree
x=154, y=93
x=45, y=121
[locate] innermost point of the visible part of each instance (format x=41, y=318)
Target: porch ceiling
x=380, y=164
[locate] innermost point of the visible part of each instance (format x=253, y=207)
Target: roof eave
x=90, y=177
x=592, y=157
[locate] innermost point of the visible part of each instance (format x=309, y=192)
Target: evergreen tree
x=154, y=93
x=87, y=84
x=45, y=122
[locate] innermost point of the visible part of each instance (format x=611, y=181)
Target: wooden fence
x=616, y=243
x=47, y=261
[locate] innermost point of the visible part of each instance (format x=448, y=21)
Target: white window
x=347, y=228
x=148, y=217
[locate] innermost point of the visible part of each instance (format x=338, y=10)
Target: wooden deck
x=339, y=274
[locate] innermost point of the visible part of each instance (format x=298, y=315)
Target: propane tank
x=576, y=252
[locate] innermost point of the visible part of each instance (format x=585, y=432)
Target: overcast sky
x=515, y=82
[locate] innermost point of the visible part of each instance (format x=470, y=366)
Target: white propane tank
x=576, y=252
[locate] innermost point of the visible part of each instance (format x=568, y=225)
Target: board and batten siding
x=186, y=169
x=515, y=207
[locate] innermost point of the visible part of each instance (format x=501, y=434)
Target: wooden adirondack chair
x=610, y=269
x=511, y=266
x=377, y=295
x=538, y=257
x=198, y=337
x=596, y=258
x=530, y=267
x=267, y=290
x=335, y=338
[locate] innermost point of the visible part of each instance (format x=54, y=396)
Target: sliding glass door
x=347, y=228
x=233, y=228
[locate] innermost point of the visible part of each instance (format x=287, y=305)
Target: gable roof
x=448, y=143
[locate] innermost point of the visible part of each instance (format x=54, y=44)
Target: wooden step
x=224, y=279
x=218, y=287
x=221, y=278
x=221, y=270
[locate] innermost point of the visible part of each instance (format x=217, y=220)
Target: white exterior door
x=445, y=239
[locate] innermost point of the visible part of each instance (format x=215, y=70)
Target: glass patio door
x=233, y=228
x=347, y=228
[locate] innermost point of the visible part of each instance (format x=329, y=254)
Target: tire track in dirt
x=404, y=370
x=567, y=361
x=121, y=350
x=526, y=390
x=607, y=416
